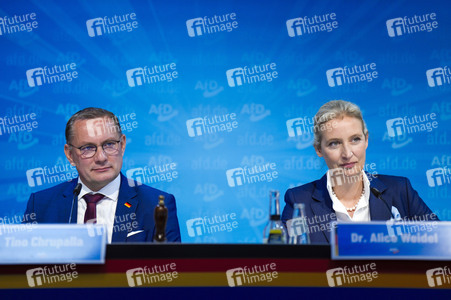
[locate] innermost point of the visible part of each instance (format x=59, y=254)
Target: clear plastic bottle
x=298, y=231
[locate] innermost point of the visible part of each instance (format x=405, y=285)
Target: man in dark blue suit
x=346, y=193
x=95, y=145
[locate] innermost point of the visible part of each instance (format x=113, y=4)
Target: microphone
x=76, y=193
x=378, y=194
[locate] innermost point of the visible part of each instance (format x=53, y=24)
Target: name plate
x=52, y=244
x=392, y=240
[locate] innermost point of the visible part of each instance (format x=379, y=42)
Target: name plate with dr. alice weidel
x=392, y=240
x=52, y=244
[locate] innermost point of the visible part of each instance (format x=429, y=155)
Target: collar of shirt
x=110, y=191
x=361, y=213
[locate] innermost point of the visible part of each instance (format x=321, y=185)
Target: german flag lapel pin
x=128, y=204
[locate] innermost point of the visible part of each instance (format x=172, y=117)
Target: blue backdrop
x=209, y=91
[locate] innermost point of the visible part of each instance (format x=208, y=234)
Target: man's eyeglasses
x=88, y=151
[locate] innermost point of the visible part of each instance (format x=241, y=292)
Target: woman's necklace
x=351, y=209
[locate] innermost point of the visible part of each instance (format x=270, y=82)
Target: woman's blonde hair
x=332, y=110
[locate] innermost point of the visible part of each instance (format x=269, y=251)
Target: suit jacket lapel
x=123, y=212
x=378, y=210
x=322, y=206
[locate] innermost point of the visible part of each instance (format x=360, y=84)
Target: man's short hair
x=88, y=114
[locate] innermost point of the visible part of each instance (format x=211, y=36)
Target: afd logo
x=235, y=77
x=95, y=27
x=135, y=277
x=35, y=177
x=395, y=127
x=195, y=227
x=135, y=77
x=438, y=176
x=195, y=27
x=35, y=77
x=135, y=177
x=438, y=76
x=195, y=126
x=235, y=177
x=438, y=276
x=335, y=77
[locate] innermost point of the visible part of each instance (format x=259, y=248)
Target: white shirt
x=362, y=212
x=105, y=209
